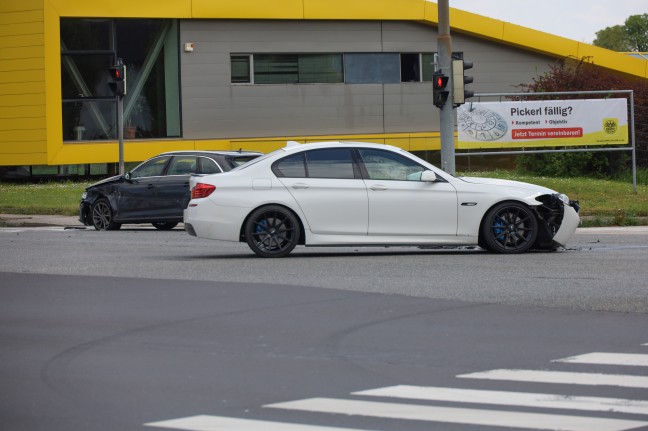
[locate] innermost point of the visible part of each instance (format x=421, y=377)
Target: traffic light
x=117, y=81
x=459, y=81
x=439, y=94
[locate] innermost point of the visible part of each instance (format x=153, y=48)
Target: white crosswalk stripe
x=459, y=415
x=473, y=410
x=520, y=399
x=561, y=377
x=627, y=359
x=221, y=423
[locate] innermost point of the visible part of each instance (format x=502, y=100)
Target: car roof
x=295, y=147
x=211, y=152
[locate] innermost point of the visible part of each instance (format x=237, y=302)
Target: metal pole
x=446, y=118
x=120, y=132
x=634, y=146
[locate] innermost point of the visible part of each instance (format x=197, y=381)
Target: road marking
x=629, y=359
x=458, y=415
x=520, y=399
x=221, y=423
x=561, y=377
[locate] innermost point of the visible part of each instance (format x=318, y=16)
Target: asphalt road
x=602, y=269
x=143, y=330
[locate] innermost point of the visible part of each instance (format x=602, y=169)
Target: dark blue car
x=156, y=191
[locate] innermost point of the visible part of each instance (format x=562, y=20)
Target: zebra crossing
x=476, y=406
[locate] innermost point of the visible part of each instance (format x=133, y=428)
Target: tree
x=614, y=38
x=636, y=28
x=574, y=75
x=631, y=36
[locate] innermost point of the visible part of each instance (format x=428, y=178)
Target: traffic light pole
x=444, y=50
x=120, y=132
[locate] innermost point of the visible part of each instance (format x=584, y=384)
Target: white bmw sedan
x=361, y=194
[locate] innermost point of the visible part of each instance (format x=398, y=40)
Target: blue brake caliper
x=261, y=226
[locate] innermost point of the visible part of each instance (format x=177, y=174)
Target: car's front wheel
x=509, y=227
x=164, y=225
x=272, y=231
x=102, y=216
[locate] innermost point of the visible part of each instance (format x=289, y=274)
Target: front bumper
x=85, y=213
x=570, y=222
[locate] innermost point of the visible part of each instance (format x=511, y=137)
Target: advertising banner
x=543, y=123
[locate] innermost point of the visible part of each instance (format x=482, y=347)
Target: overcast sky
x=575, y=19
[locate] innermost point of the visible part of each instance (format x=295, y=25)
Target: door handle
x=300, y=186
x=149, y=186
x=378, y=188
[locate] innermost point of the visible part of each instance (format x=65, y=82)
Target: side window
x=333, y=163
x=383, y=165
x=290, y=167
x=209, y=166
x=151, y=168
x=182, y=165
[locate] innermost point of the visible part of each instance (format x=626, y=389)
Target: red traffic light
x=439, y=95
x=117, y=73
x=440, y=81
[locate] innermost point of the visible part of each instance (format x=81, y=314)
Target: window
x=183, y=165
x=240, y=65
x=287, y=68
x=208, y=166
x=417, y=67
x=290, y=167
x=354, y=68
x=410, y=68
x=372, y=68
x=427, y=67
x=383, y=165
x=333, y=163
x=151, y=168
x=327, y=163
x=149, y=48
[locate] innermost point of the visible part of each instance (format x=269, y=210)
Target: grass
x=604, y=202
x=53, y=197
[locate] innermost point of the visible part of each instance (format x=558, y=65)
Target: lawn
x=603, y=202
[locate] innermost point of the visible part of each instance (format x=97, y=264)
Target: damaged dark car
x=156, y=191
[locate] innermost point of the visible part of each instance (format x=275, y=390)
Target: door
x=400, y=203
x=326, y=186
x=172, y=190
x=136, y=197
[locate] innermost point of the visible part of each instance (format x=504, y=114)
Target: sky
x=574, y=19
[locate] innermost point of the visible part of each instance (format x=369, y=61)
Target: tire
x=102, y=216
x=272, y=231
x=164, y=225
x=509, y=227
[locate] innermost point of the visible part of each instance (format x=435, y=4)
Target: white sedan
x=361, y=194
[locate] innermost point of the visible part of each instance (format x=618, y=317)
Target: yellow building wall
x=23, y=107
x=30, y=67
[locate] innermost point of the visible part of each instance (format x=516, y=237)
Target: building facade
x=205, y=74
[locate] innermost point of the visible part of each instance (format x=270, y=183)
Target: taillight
x=201, y=190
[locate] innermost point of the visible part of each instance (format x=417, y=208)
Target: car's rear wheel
x=509, y=227
x=164, y=225
x=272, y=231
x=102, y=216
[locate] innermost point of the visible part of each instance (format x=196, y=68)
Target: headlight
x=84, y=195
x=563, y=198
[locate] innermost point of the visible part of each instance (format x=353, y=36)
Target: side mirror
x=127, y=176
x=428, y=176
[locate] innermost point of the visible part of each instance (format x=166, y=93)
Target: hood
x=507, y=183
x=105, y=181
